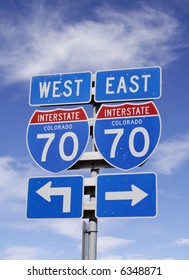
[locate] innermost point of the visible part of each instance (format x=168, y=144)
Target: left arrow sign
x=55, y=197
x=46, y=192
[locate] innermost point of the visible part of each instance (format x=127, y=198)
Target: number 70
x=118, y=134
x=50, y=137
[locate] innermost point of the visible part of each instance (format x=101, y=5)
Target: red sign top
x=127, y=110
x=58, y=116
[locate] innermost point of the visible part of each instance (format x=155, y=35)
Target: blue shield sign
x=126, y=195
x=56, y=139
x=128, y=84
x=126, y=135
x=55, y=197
x=60, y=89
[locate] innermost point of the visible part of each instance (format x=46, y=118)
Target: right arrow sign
x=126, y=195
x=136, y=195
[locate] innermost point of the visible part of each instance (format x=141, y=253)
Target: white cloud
x=68, y=228
x=182, y=241
x=22, y=253
x=44, y=43
x=106, y=243
x=171, y=154
x=14, y=186
x=14, y=177
x=23, y=226
x=126, y=257
x=111, y=257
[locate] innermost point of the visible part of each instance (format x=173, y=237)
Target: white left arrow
x=136, y=195
x=46, y=192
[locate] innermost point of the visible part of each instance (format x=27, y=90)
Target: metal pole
x=93, y=228
x=89, y=232
x=92, y=239
x=85, y=231
x=93, y=222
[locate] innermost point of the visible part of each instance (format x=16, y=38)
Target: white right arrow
x=46, y=192
x=136, y=195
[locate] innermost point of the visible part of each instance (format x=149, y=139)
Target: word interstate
x=58, y=116
x=127, y=110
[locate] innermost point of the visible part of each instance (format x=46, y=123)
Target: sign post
x=122, y=136
x=93, y=222
x=84, y=250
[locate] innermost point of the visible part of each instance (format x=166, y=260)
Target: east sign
x=128, y=84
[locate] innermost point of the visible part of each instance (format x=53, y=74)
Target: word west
x=59, y=88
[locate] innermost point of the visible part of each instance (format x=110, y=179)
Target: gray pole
x=93, y=223
x=92, y=239
x=93, y=228
x=85, y=231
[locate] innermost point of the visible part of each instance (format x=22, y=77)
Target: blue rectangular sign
x=126, y=195
x=128, y=84
x=55, y=197
x=60, y=89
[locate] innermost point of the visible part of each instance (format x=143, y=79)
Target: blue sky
x=44, y=37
